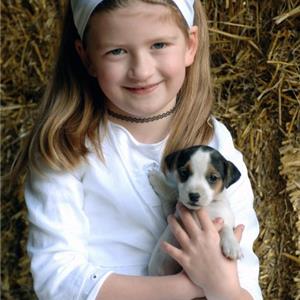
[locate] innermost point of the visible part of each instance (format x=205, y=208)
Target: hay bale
x=290, y=170
x=256, y=55
x=28, y=43
x=255, y=50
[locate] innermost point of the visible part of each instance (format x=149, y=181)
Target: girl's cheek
x=115, y=70
x=107, y=73
x=172, y=65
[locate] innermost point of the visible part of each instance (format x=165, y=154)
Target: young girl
x=131, y=84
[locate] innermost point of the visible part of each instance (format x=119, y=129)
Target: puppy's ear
x=170, y=161
x=232, y=174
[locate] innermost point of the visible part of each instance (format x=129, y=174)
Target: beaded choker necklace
x=141, y=120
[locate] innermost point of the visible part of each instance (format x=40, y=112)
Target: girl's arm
x=173, y=287
x=60, y=264
x=58, y=232
x=149, y=288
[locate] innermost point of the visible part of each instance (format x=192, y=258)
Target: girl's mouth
x=142, y=90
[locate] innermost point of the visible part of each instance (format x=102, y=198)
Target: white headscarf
x=82, y=10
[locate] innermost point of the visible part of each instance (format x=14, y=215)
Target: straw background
x=255, y=47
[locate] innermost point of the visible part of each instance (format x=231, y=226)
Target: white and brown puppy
x=197, y=177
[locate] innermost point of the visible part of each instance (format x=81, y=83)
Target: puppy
x=197, y=177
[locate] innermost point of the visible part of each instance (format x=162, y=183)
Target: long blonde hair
x=70, y=111
x=191, y=123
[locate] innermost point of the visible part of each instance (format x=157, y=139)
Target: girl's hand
x=201, y=256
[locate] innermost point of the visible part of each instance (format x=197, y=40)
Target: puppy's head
x=201, y=173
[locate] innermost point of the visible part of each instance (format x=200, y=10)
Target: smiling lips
x=142, y=90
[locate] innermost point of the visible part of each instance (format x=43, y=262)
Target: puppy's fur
x=197, y=177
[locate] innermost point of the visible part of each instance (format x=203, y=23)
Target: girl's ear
x=84, y=58
x=192, y=46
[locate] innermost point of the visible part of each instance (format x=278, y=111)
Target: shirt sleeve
x=241, y=199
x=58, y=234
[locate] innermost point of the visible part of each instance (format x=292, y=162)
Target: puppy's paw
x=231, y=248
x=156, y=179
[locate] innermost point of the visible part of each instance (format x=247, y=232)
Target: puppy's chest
x=220, y=209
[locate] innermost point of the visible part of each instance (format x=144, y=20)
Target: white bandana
x=82, y=10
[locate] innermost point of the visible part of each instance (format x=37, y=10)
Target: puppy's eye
x=212, y=178
x=184, y=174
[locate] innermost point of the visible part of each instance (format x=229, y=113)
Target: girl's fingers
x=179, y=233
x=194, y=225
x=238, y=232
x=174, y=252
x=204, y=219
x=190, y=224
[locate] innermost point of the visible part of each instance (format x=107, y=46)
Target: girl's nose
x=141, y=67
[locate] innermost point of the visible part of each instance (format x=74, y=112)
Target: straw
x=255, y=53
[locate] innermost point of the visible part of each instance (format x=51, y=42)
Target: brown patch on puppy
x=214, y=179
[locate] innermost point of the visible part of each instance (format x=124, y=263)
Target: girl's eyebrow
x=112, y=44
x=165, y=37
x=107, y=45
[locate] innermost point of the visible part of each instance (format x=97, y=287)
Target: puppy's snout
x=194, y=197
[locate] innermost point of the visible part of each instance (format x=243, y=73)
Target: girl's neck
x=147, y=133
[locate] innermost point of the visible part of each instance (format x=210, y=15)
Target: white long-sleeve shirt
x=104, y=218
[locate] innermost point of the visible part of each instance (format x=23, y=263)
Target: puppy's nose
x=194, y=197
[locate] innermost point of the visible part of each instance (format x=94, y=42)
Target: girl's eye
x=116, y=52
x=159, y=45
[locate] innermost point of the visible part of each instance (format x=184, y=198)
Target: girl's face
x=138, y=55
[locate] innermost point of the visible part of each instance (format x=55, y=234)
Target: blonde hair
x=70, y=111
x=191, y=123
